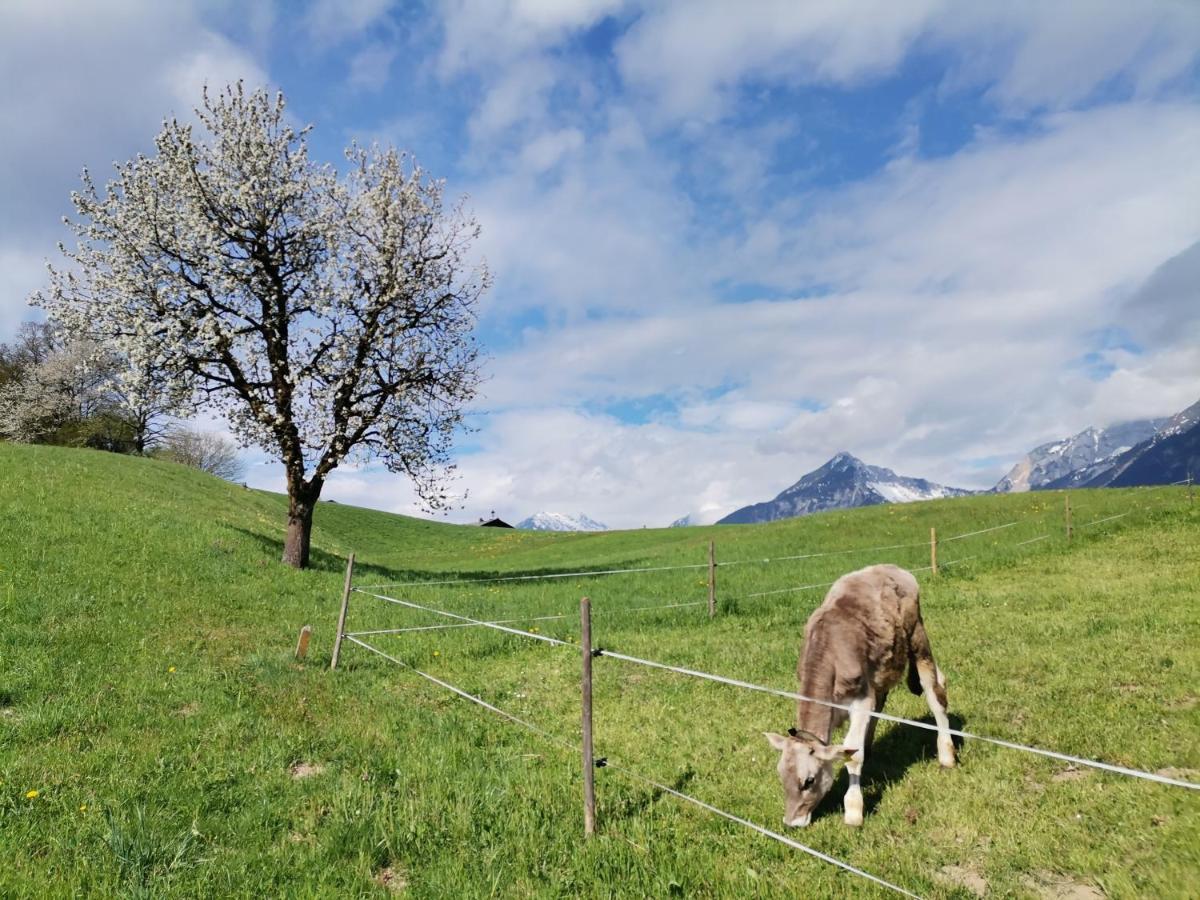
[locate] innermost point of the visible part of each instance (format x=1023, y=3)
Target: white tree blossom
x=323, y=316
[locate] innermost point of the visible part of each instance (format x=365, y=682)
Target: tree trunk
x=299, y=528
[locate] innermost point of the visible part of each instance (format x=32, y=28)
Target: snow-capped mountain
x=707, y=515
x=552, y=521
x=1170, y=455
x=1077, y=459
x=845, y=481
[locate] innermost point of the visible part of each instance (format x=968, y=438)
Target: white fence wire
x=746, y=685
x=554, y=739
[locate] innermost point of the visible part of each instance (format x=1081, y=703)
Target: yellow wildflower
x=31, y=795
x=170, y=668
x=83, y=807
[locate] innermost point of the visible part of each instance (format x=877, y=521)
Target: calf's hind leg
x=933, y=685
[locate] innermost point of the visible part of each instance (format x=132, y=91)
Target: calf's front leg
x=856, y=738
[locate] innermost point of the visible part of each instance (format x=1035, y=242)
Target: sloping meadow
x=149, y=696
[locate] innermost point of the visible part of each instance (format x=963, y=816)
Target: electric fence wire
x=746, y=685
x=554, y=739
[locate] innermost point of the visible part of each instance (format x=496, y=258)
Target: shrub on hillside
x=203, y=450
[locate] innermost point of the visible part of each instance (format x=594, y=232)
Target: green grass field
x=149, y=695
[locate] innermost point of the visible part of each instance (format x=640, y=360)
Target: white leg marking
x=856, y=737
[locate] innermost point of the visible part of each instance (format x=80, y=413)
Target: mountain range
x=1150, y=451
x=1170, y=455
x=844, y=481
x=1145, y=451
x=1080, y=457
x=552, y=521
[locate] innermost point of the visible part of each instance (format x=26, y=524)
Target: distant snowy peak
x=843, y=482
x=552, y=521
x=1077, y=458
x=707, y=515
x=1181, y=422
x=1170, y=456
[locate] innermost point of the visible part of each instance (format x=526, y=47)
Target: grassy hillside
x=149, y=696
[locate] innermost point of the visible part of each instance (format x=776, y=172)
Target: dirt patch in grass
x=189, y=710
x=966, y=877
x=392, y=879
x=305, y=769
x=1070, y=773
x=1053, y=886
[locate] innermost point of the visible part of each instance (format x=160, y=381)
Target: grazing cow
x=857, y=645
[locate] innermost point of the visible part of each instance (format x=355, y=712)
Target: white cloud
x=85, y=85
x=371, y=67
x=689, y=55
x=1030, y=54
x=331, y=21
x=546, y=150
x=482, y=34
x=962, y=292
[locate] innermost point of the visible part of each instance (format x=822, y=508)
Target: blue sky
x=728, y=240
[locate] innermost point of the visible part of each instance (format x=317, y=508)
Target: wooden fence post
x=341, y=626
x=1068, y=514
x=712, y=579
x=933, y=550
x=589, y=783
x=302, y=644
x=1190, y=498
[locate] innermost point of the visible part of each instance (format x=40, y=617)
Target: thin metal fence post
x=341, y=625
x=712, y=579
x=1067, y=508
x=589, y=782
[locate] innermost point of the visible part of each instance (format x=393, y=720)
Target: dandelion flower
x=83, y=807
x=437, y=653
x=31, y=795
x=170, y=668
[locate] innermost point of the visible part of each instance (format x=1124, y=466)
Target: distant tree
x=324, y=317
x=34, y=341
x=65, y=398
x=203, y=450
x=55, y=390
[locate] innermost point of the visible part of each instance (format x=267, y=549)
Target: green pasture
x=149, y=696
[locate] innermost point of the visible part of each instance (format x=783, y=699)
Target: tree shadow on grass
x=891, y=756
x=368, y=573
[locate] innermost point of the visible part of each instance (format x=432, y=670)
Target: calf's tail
x=920, y=657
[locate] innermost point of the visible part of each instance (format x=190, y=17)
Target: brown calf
x=857, y=645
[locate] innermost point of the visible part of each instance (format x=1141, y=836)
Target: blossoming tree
x=327, y=317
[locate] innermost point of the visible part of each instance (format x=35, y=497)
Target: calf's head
x=806, y=772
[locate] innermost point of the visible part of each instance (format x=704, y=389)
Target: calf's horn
x=806, y=735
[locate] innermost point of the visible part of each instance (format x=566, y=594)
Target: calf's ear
x=778, y=741
x=839, y=751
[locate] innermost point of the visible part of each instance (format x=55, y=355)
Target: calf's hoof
x=854, y=809
x=946, y=755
